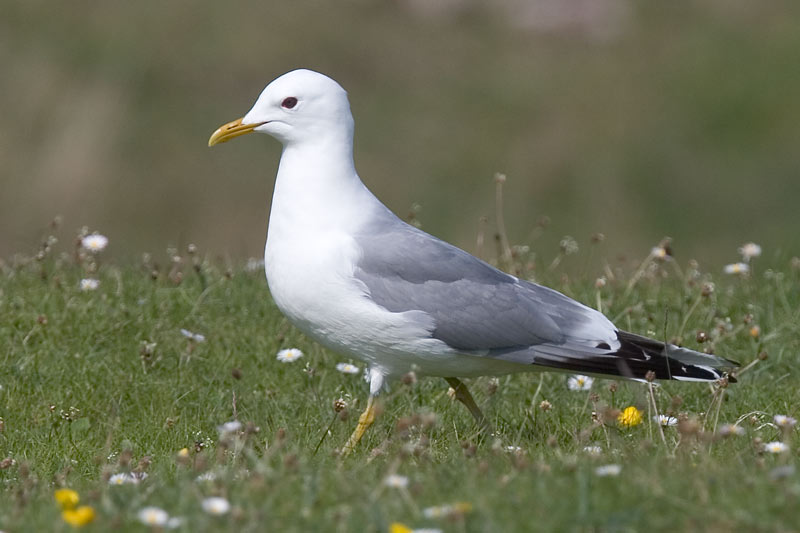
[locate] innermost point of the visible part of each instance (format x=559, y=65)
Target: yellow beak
x=228, y=131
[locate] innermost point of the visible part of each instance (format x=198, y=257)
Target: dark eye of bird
x=289, y=103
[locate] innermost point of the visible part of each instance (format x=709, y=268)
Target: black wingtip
x=642, y=355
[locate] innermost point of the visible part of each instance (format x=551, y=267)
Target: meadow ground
x=121, y=393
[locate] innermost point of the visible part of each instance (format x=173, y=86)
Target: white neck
x=317, y=189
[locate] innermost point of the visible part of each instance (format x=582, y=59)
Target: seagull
x=353, y=276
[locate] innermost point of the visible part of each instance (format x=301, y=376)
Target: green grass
x=82, y=398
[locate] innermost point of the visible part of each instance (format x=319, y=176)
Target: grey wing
x=476, y=308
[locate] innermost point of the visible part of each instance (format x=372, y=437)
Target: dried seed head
x=125, y=458
x=144, y=463
x=469, y=449
x=544, y=405
x=491, y=388
x=650, y=376
x=707, y=290
x=598, y=237
x=688, y=427
x=499, y=177
x=763, y=356
x=702, y=337
x=610, y=415
x=339, y=405
x=409, y=378
x=612, y=387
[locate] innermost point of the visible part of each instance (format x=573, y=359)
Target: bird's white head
x=300, y=106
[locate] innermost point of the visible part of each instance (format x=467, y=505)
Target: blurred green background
x=635, y=119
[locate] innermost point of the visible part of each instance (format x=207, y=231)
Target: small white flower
x=579, y=382
x=94, y=242
x=594, y=451
x=206, y=477
x=196, y=337
x=737, y=268
x=750, y=250
x=174, y=522
x=126, y=478
x=660, y=253
x=216, y=505
x=234, y=426
x=608, y=470
x=347, y=368
x=776, y=447
x=254, y=265
x=153, y=516
x=731, y=429
x=396, y=481
x=784, y=421
x=89, y=284
x=447, y=510
x=513, y=449
x=289, y=355
x=665, y=420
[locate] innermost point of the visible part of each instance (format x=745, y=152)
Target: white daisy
x=665, y=420
x=594, y=451
x=347, y=368
x=233, y=426
x=254, y=265
x=737, y=268
x=206, y=477
x=750, y=250
x=216, y=505
x=153, y=516
x=660, y=253
x=608, y=470
x=513, y=449
x=776, y=447
x=174, y=522
x=89, y=284
x=197, y=337
x=94, y=242
x=579, y=382
x=731, y=429
x=447, y=510
x=784, y=421
x=289, y=355
x=127, y=478
x=396, y=481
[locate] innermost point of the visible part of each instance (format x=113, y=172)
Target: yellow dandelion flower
x=78, y=517
x=66, y=498
x=630, y=417
x=397, y=527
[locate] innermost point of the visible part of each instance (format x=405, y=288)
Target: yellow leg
x=364, y=422
x=463, y=396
